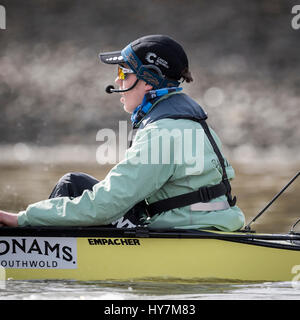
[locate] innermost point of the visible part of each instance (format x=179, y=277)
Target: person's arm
x=8, y=219
x=127, y=183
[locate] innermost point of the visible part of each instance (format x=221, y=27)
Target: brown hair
x=186, y=75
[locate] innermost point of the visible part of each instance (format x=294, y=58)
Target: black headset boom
x=111, y=88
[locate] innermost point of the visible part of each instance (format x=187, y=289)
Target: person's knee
x=69, y=177
x=78, y=178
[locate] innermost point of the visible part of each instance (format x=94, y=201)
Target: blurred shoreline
x=244, y=61
x=246, y=156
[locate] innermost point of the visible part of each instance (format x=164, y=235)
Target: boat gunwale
x=265, y=240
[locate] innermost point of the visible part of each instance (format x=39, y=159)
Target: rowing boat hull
x=140, y=257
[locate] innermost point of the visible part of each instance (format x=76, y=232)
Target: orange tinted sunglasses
x=122, y=72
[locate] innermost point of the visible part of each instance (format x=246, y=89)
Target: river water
x=22, y=184
x=73, y=290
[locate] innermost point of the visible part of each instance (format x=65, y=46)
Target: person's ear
x=148, y=87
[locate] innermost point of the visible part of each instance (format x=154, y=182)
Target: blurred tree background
x=244, y=57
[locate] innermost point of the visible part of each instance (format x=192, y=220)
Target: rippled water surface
x=21, y=185
x=62, y=290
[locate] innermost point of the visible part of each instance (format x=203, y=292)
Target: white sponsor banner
x=38, y=253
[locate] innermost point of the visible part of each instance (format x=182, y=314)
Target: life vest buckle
x=231, y=201
x=205, y=195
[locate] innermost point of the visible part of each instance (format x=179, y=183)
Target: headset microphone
x=111, y=89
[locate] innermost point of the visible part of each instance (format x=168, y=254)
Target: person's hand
x=8, y=219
